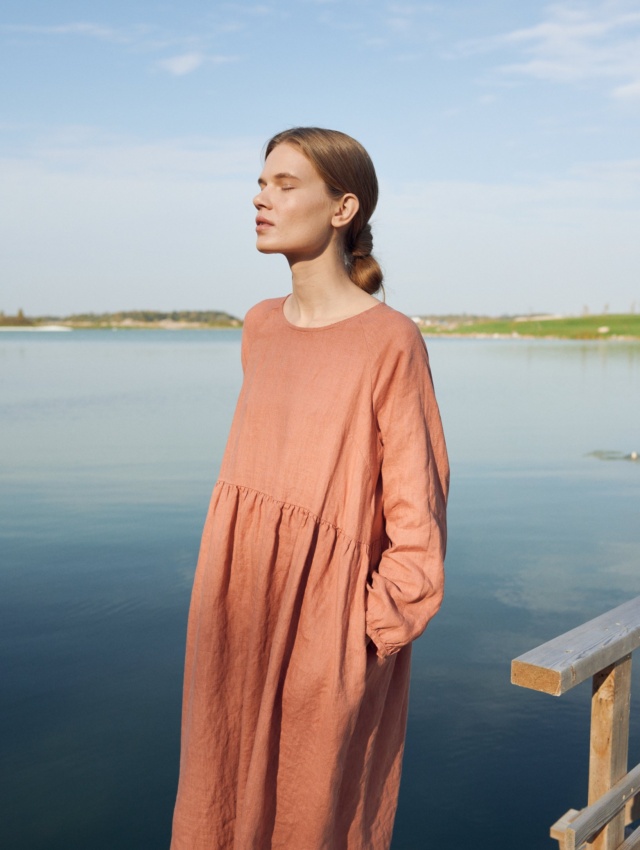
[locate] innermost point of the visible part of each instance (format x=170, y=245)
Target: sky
x=506, y=138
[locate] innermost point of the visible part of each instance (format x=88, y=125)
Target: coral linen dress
x=321, y=560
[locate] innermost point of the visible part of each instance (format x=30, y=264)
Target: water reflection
x=111, y=444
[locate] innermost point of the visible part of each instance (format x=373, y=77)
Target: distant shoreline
x=123, y=320
x=140, y=327
x=531, y=337
x=619, y=326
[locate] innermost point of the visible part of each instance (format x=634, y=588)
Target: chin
x=267, y=249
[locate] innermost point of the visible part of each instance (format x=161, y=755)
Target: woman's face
x=295, y=210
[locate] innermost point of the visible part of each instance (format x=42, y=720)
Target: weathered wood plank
x=609, y=743
x=632, y=842
x=632, y=811
x=592, y=819
x=559, y=828
x=561, y=663
x=631, y=814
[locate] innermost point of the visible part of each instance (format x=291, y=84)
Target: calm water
x=110, y=446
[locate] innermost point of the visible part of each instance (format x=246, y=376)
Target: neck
x=319, y=281
x=323, y=292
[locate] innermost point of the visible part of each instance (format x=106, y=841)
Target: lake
x=110, y=446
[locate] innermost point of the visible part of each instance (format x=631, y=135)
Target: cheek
x=316, y=204
x=321, y=212
x=308, y=216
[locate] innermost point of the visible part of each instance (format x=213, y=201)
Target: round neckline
x=331, y=324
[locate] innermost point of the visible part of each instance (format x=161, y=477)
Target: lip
x=263, y=223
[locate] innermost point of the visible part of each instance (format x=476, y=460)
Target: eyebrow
x=283, y=175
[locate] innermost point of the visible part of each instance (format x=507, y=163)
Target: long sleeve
x=406, y=589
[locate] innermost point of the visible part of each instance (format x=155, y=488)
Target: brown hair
x=345, y=167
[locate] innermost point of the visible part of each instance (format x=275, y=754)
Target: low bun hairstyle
x=345, y=167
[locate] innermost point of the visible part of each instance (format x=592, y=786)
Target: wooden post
x=610, y=705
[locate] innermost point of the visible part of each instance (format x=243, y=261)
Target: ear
x=346, y=208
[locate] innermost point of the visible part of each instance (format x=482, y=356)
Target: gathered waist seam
x=317, y=519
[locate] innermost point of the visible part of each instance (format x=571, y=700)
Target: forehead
x=288, y=160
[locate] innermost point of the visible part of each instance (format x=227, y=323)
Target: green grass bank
x=619, y=325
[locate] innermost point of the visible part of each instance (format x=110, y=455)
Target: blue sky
x=506, y=137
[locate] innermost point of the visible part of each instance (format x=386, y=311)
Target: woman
x=322, y=554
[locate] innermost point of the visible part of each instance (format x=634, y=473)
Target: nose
x=260, y=201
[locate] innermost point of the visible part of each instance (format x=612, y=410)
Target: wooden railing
x=600, y=649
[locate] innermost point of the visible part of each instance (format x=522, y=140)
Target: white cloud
x=629, y=92
x=258, y=9
x=83, y=150
x=183, y=64
x=143, y=38
x=408, y=57
x=621, y=177
x=575, y=42
x=139, y=38
x=399, y=24
x=379, y=24
x=412, y=8
x=186, y=63
x=92, y=30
